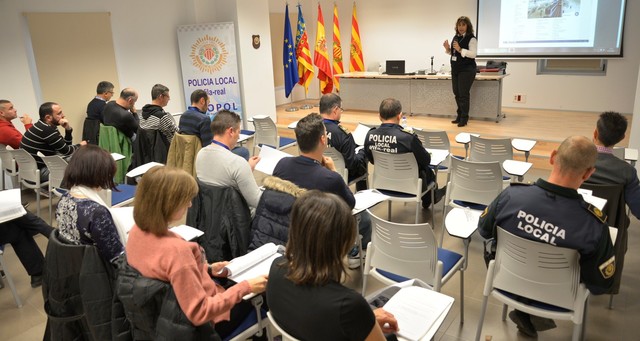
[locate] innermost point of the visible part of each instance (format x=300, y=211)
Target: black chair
x=91, y=131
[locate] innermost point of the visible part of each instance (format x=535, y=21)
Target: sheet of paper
x=437, y=155
x=269, y=158
x=11, y=205
x=592, y=199
x=117, y=157
x=142, y=169
x=187, y=232
x=360, y=133
x=417, y=309
x=367, y=198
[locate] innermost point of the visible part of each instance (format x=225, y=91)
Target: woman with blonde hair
x=305, y=294
x=163, y=197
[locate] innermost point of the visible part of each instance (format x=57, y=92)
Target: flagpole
x=291, y=108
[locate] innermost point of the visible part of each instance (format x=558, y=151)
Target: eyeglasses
x=167, y=96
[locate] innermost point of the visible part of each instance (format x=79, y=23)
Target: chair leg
x=12, y=286
x=481, y=321
x=461, y=296
x=50, y=207
x=504, y=312
x=389, y=214
x=38, y=201
x=610, y=301
x=444, y=215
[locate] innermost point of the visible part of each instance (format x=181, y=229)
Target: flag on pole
x=289, y=59
x=321, y=57
x=356, y=61
x=337, y=49
x=305, y=65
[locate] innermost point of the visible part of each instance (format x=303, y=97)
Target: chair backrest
x=8, y=163
x=476, y=182
x=486, y=150
x=56, y=166
x=396, y=172
x=285, y=335
x=408, y=250
x=536, y=270
x=338, y=161
x=27, y=164
x=266, y=131
x=434, y=139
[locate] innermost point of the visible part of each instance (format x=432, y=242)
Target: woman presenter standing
x=463, y=66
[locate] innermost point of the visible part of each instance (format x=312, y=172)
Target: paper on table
x=367, y=198
x=515, y=167
x=269, y=158
x=187, y=232
x=244, y=137
x=360, y=134
x=437, y=155
x=142, y=169
x=117, y=157
x=11, y=205
x=255, y=263
x=588, y=196
x=416, y=310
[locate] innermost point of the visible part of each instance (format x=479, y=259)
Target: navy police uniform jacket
x=392, y=138
x=556, y=215
x=341, y=139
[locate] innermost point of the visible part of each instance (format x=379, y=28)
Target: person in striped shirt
x=45, y=138
x=153, y=116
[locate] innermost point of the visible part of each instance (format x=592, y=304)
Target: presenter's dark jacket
x=95, y=107
x=392, y=138
x=341, y=139
x=552, y=214
x=462, y=63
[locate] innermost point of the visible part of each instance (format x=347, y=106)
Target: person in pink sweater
x=163, y=196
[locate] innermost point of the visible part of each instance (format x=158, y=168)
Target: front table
x=420, y=94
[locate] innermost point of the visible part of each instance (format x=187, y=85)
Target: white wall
x=415, y=29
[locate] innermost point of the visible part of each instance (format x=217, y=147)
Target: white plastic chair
x=267, y=133
x=29, y=174
x=397, y=176
x=398, y=252
x=487, y=150
x=282, y=332
x=471, y=184
x=540, y=272
x=7, y=274
x=56, y=166
x=8, y=165
x=436, y=139
x=261, y=322
x=341, y=168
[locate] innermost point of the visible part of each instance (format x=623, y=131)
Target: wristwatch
x=210, y=270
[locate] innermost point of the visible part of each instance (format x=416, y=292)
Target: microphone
x=431, y=64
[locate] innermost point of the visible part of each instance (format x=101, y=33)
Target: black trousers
x=19, y=233
x=461, y=82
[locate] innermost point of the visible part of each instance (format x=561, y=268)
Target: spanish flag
x=337, y=49
x=356, y=61
x=321, y=58
x=305, y=65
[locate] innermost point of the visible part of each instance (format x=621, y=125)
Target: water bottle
x=442, y=68
x=403, y=122
x=380, y=69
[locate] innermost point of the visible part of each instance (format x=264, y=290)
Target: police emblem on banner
x=209, y=54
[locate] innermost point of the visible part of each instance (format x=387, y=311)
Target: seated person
x=392, y=138
x=304, y=293
x=153, y=117
x=44, y=137
x=9, y=135
x=19, y=233
x=217, y=165
x=158, y=253
x=611, y=129
x=83, y=217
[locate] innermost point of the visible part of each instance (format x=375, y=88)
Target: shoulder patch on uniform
x=608, y=268
x=484, y=213
x=346, y=131
x=408, y=130
x=597, y=213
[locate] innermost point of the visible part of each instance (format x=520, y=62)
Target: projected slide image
x=553, y=8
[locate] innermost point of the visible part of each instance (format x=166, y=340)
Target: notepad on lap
x=11, y=205
x=187, y=232
x=269, y=158
x=255, y=263
x=416, y=310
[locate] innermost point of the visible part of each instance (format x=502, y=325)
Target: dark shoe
x=36, y=281
x=440, y=193
x=457, y=120
x=462, y=123
x=523, y=322
x=541, y=323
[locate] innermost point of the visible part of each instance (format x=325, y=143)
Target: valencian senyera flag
x=305, y=65
x=289, y=59
x=321, y=57
x=337, y=49
x=356, y=60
